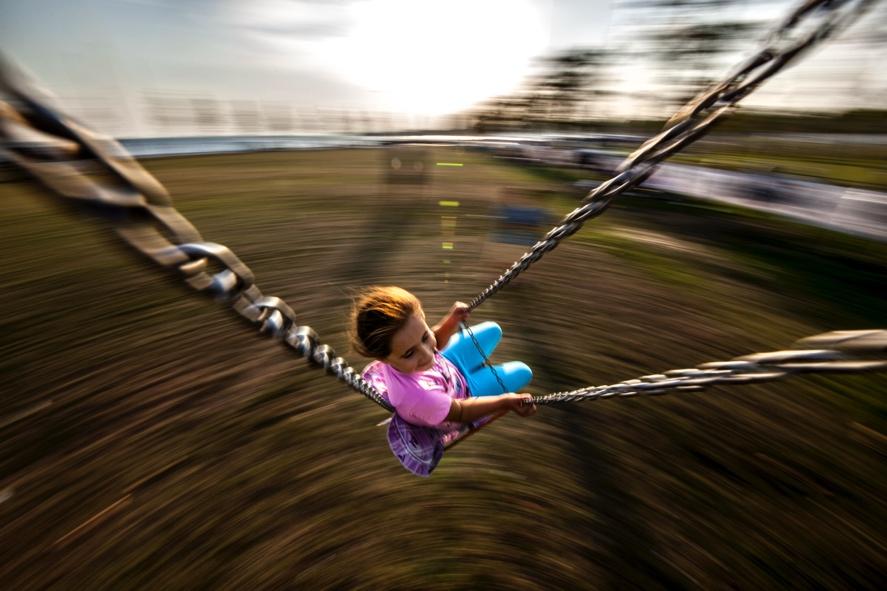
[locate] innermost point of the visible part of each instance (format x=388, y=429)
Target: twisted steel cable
x=782, y=45
x=830, y=352
x=96, y=172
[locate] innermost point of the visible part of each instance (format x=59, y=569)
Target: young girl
x=434, y=393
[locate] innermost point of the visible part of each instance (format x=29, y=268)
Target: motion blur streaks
x=148, y=440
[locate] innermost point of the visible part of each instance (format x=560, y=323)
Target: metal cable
x=782, y=45
x=487, y=362
x=830, y=352
x=96, y=171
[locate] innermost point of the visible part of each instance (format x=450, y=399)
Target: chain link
x=839, y=351
x=782, y=45
x=94, y=171
x=486, y=359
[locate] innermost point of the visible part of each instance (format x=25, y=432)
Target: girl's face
x=412, y=347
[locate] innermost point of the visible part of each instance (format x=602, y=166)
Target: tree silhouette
x=685, y=42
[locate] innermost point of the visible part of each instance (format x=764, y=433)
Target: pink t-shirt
x=421, y=398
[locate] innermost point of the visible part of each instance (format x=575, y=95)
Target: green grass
x=832, y=170
x=150, y=439
x=851, y=165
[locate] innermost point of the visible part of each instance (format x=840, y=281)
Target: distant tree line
x=684, y=45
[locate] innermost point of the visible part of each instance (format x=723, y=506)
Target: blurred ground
x=149, y=440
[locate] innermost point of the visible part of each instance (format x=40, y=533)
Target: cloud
x=291, y=20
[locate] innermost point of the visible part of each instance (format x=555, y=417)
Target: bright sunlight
x=438, y=58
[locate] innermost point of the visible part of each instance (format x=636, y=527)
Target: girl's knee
x=488, y=335
x=516, y=375
x=488, y=329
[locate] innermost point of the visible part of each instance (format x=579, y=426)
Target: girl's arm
x=444, y=329
x=471, y=409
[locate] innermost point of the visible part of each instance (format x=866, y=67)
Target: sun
x=434, y=58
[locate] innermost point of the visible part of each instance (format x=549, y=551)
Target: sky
x=144, y=67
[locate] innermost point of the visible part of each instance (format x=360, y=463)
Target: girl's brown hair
x=377, y=314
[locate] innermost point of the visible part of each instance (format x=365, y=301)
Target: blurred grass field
x=845, y=164
x=149, y=440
